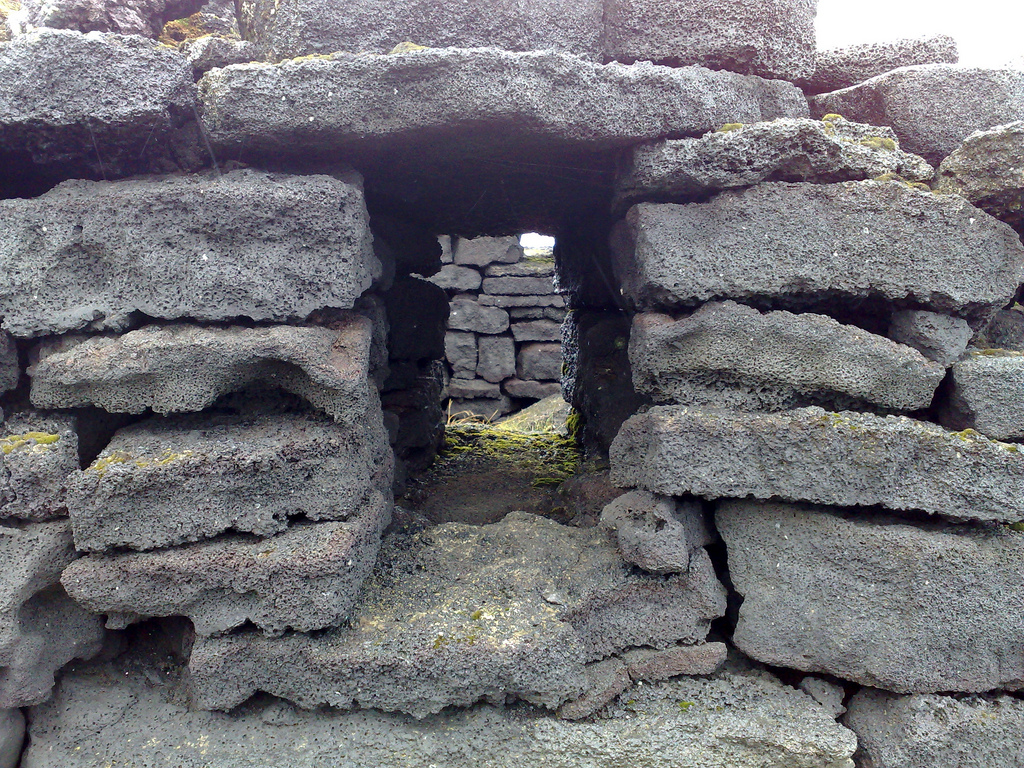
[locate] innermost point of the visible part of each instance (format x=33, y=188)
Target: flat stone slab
x=178, y=368
x=683, y=170
x=957, y=100
x=461, y=613
x=806, y=245
x=113, y=713
x=839, y=68
x=245, y=244
x=808, y=454
x=173, y=480
x=911, y=609
x=929, y=731
x=38, y=452
x=729, y=355
x=986, y=393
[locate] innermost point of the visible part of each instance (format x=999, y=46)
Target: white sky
x=989, y=32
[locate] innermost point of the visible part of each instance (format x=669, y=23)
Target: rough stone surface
x=461, y=613
x=12, y=737
x=9, y=370
x=247, y=243
x=113, y=713
x=1006, y=331
x=304, y=579
x=772, y=38
x=928, y=731
x=516, y=286
x=186, y=368
x=845, y=459
x=497, y=359
x=529, y=267
x=483, y=251
x=938, y=337
x=537, y=330
x=648, y=664
x=547, y=300
x=656, y=533
x=468, y=315
x=986, y=393
x=199, y=476
x=807, y=244
x=730, y=355
x=38, y=452
x=126, y=17
x=932, y=107
x=792, y=150
x=452, y=277
x=829, y=695
x=539, y=362
x=839, y=68
x=531, y=390
x=471, y=388
x=606, y=679
x=461, y=352
x=205, y=53
x=911, y=609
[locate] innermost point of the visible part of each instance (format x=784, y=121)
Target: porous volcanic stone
x=807, y=244
x=472, y=388
x=531, y=390
x=186, y=368
x=247, y=243
x=808, y=454
x=483, y=251
x=932, y=107
x=537, y=330
x=606, y=679
x=461, y=351
x=929, y=731
x=539, y=362
x=1006, y=331
x=839, y=68
x=126, y=17
x=304, y=579
x=178, y=479
x=455, y=278
x=517, y=286
x=461, y=613
x=730, y=355
x=547, y=300
x=656, y=533
x=683, y=170
x=12, y=737
x=986, y=393
x=37, y=454
x=9, y=369
x=32, y=558
x=205, y=53
x=938, y=337
x=911, y=609
x=772, y=38
x=497, y=358
x=468, y=315
x=649, y=664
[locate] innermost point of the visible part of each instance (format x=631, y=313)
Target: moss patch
x=38, y=442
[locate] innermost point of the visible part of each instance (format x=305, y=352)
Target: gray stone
x=445, y=242
x=829, y=695
x=938, y=337
x=497, y=358
x=911, y=609
x=1006, y=331
x=839, y=68
x=186, y=368
x=605, y=680
x=38, y=453
x=126, y=17
x=986, y=393
x=461, y=352
x=418, y=314
x=682, y=170
x=526, y=313
x=845, y=459
x=810, y=244
x=452, y=277
x=655, y=533
x=531, y=390
x=461, y=613
x=517, y=286
x=528, y=267
x=539, y=362
x=648, y=664
x=730, y=355
x=483, y=251
x=209, y=51
x=929, y=731
x=247, y=243
x=988, y=169
x=10, y=372
x=201, y=475
x=305, y=578
x=487, y=408
x=12, y=737
x=536, y=330
x=765, y=37
x=555, y=314
x=467, y=389
x=113, y=713
x=468, y=315
x=549, y=300
x=932, y=107
x=97, y=105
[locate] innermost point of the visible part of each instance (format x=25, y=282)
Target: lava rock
x=38, y=453
x=126, y=17
x=484, y=251
x=839, y=68
x=985, y=394
x=452, y=277
x=648, y=664
x=606, y=679
x=461, y=353
x=539, y=362
x=1006, y=331
x=938, y=337
x=537, y=330
x=468, y=315
x=10, y=371
x=12, y=737
x=517, y=286
x=497, y=359
x=656, y=533
x=531, y=390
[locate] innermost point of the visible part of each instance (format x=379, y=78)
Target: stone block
x=205, y=53
x=484, y=251
x=528, y=267
x=497, y=360
x=548, y=300
x=938, y=337
x=649, y=665
x=839, y=68
x=126, y=17
x=461, y=352
x=829, y=695
x=531, y=390
x=38, y=453
x=12, y=737
x=605, y=681
x=468, y=315
x=539, y=362
x=452, y=277
x=517, y=286
x=985, y=394
x=656, y=533
x=1006, y=331
x=537, y=330
x=467, y=389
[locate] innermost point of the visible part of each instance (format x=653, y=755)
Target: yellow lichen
x=36, y=441
x=104, y=463
x=182, y=30
x=832, y=118
x=728, y=127
x=406, y=47
x=879, y=142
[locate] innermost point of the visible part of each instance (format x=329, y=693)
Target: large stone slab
x=932, y=107
x=460, y=613
x=843, y=67
x=729, y=355
x=38, y=452
x=186, y=368
x=928, y=731
x=168, y=481
x=683, y=170
x=846, y=459
x=244, y=244
x=798, y=245
x=772, y=38
x=985, y=393
x=114, y=713
x=304, y=579
x=910, y=609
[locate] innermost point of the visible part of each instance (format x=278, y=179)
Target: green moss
x=181, y=30
x=36, y=441
x=476, y=615
x=1018, y=527
x=685, y=705
x=729, y=127
x=551, y=456
x=879, y=142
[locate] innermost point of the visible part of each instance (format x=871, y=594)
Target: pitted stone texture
x=845, y=459
x=305, y=579
x=299, y=27
x=497, y=358
x=32, y=558
x=461, y=613
x=905, y=608
x=780, y=150
x=730, y=355
x=988, y=169
x=986, y=393
x=932, y=107
x=179, y=479
x=929, y=731
x=606, y=679
x=468, y=315
x=537, y=330
x=517, y=286
x=205, y=53
x=800, y=245
x=99, y=104
x=38, y=452
x=1006, y=331
x=547, y=300
x=938, y=337
x=771, y=38
x=10, y=372
x=655, y=533
x=839, y=68
x=258, y=245
x=829, y=695
x=113, y=713
x=483, y=251
x=186, y=368
x=648, y=664
x=126, y=17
